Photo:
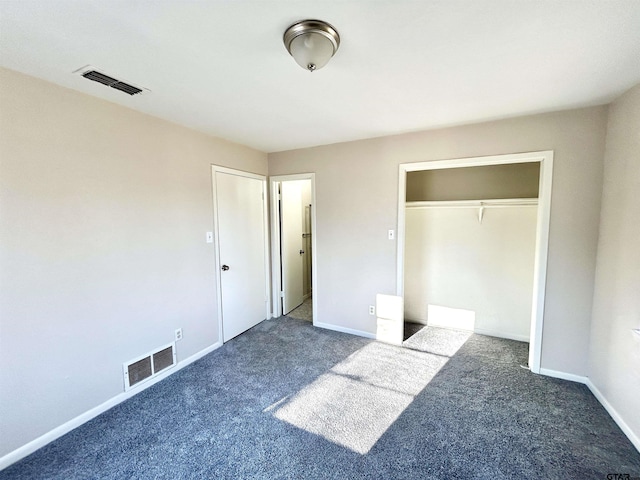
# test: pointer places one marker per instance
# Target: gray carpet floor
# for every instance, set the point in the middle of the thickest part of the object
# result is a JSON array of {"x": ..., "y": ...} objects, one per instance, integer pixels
[{"x": 286, "y": 400}]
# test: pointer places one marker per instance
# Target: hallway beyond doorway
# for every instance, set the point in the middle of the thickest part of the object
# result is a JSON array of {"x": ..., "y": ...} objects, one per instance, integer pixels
[{"x": 304, "y": 311}]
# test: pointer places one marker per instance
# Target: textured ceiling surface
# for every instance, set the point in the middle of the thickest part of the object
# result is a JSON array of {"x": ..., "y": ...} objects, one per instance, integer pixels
[{"x": 220, "y": 67}]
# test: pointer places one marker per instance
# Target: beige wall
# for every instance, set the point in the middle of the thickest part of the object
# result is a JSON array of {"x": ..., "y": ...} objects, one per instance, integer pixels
[
  {"x": 103, "y": 214},
  {"x": 615, "y": 350},
  {"x": 357, "y": 196},
  {"x": 518, "y": 180}
]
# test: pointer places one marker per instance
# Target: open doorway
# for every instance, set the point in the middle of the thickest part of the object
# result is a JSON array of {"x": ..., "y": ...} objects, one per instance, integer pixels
[
  {"x": 429, "y": 215},
  {"x": 293, "y": 253}
]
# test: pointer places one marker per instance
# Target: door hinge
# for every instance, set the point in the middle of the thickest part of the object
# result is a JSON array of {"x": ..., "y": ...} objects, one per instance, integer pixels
[{"x": 282, "y": 294}]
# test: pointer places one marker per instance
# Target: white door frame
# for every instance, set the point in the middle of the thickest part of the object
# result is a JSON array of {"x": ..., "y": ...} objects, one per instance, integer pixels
[
  {"x": 276, "y": 259},
  {"x": 218, "y": 265},
  {"x": 542, "y": 229}
]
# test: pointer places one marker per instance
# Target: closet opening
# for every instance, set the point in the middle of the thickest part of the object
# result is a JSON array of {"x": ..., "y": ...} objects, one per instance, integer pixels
[{"x": 472, "y": 247}]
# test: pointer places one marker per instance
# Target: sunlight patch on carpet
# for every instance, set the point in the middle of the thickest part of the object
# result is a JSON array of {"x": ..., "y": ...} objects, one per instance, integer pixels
[
  {"x": 355, "y": 402},
  {"x": 439, "y": 341}
]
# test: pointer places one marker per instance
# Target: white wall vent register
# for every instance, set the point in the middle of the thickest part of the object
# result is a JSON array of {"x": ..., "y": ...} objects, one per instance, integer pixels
[{"x": 148, "y": 366}]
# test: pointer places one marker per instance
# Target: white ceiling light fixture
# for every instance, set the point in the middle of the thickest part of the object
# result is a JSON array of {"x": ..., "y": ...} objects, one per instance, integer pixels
[{"x": 311, "y": 43}]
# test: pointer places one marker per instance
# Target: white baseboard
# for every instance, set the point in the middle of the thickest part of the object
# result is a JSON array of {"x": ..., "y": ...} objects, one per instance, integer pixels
[
  {"x": 563, "y": 375},
  {"x": 615, "y": 415},
  {"x": 479, "y": 331},
  {"x": 351, "y": 331},
  {"x": 508, "y": 336},
  {"x": 361, "y": 333},
  {"x": 65, "y": 428}
]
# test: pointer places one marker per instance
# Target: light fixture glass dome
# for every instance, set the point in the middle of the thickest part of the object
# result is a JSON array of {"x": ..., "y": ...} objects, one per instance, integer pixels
[{"x": 311, "y": 43}]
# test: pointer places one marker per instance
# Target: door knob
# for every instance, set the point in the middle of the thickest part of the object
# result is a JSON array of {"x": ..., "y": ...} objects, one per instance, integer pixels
[
  {"x": 301, "y": 252},
  {"x": 225, "y": 268}
]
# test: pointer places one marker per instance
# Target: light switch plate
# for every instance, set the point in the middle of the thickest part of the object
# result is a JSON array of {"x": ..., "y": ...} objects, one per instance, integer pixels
[
  {"x": 209, "y": 237},
  {"x": 392, "y": 234}
]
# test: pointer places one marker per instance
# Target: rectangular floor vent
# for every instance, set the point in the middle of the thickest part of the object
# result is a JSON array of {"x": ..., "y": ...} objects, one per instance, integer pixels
[{"x": 148, "y": 366}]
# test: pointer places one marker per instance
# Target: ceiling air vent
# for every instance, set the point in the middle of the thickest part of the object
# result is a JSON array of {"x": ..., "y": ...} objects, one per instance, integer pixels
[
  {"x": 91, "y": 73},
  {"x": 148, "y": 366},
  {"x": 126, "y": 88}
]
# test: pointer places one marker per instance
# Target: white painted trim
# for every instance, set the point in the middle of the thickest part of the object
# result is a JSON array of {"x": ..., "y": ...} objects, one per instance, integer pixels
[
  {"x": 292, "y": 177},
  {"x": 276, "y": 259},
  {"x": 626, "y": 429},
  {"x": 267, "y": 249},
  {"x": 400, "y": 238},
  {"x": 66, "y": 427},
  {"x": 542, "y": 230},
  {"x": 563, "y": 375},
  {"x": 490, "y": 333},
  {"x": 216, "y": 233},
  {"x": 509, "y": 158},
  {"x": 350, "y": 331},
  {"x": 216, "y": 241},
  {"x": 240, "y": 173},
  {"x": 276, "y": 283},
  {"x": 314, "y": 251},
  {"x": 540, "y": 261}
]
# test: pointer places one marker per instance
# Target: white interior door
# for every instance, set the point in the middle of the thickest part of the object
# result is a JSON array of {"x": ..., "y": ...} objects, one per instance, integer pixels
[
  {"x": 241, "y": 247},
  {"x": 291, "y": 216}
]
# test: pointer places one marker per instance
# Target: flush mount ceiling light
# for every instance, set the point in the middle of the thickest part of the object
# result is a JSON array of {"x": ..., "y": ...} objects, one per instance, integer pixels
[{"x": 311, "y": 43}]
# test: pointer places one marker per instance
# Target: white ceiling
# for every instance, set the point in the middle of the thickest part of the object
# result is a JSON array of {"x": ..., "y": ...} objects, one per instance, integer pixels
[{"x": 220, "y": 66}]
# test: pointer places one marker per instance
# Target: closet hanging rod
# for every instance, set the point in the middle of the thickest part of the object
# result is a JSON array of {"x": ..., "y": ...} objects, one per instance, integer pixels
[{"x": 503, "y": 202}]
